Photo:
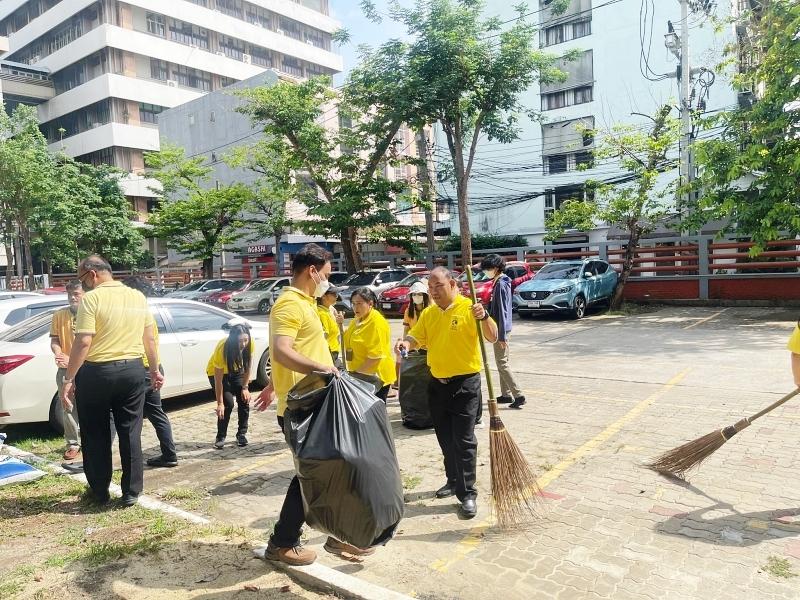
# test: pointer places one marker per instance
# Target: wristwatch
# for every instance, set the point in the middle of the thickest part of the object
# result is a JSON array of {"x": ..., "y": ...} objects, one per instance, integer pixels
[
  {"x": 66, "y": 380},
  {"x": 485, "y": 316}
]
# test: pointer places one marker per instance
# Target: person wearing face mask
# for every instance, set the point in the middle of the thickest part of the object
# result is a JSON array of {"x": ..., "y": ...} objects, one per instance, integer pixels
[
  {"x": 367, "y": 342},
  {"x": 419, "y": 302},
  {"x": 500, "y": 306}
]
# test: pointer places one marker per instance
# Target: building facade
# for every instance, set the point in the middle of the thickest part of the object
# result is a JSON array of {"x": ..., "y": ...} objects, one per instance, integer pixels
[
  {"x": 518, "y": 185},
  {"x": 115, "y": 66}
]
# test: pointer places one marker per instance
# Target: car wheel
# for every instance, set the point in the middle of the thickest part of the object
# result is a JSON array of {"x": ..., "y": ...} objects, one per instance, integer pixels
[
  {"x": 56, "y": 416},
  {"x": 264, "y": 372},
  {"x": 263, "y": 307},
  {"x": 579, "y": 307}
]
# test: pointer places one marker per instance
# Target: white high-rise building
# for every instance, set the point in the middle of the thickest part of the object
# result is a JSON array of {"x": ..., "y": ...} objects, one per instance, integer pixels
[{"x": 117, "y": 64}]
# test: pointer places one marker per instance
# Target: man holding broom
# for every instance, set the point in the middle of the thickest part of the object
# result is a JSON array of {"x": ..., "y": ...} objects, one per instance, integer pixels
[{"x": 448, "y": 329}]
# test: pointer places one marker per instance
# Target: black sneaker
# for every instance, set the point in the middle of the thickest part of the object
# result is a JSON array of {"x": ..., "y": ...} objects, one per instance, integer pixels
[
  {"x": 504, "y": 400},
  {"x": 241, "y": 439},
  {"x": 160, "y": 461},
  {"x": 518, "y": 403},
  {"x": 129, "y": 499}
]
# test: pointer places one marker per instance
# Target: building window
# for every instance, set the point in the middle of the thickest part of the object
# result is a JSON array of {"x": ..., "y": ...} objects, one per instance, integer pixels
[
  {"x": 148, "y": 113},
  {"x": 188, "y": 77},
  {"x": 564, "y": 32},
  {"x": 200, "y": 2},
  {"x": 562, "y": 98},
  {"x": 188, "y": 34},
  {"x": 159, "y": 69},
  {"x": 555, "y": 164},
  {"x": 226, "y": 81},
  {"x": 572, "y": 161},
  {"x": 555, "y": 198},
  {"x": 292, "y": 67},
  {"x": 232, "y": 47},
  {"x": 260, "y": 56},
  {"x": 231, "y": 8},
  {"x": 156, "y": 24}
]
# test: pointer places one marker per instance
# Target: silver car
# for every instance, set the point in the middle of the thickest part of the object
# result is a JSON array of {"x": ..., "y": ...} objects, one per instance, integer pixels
[{"x": 259, "y": 297}]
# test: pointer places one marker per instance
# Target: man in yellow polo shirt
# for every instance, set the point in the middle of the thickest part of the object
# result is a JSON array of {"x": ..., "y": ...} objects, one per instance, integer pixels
[
  {"x": 448, "y": 329},
  {"x": 113, "y": 330},
  {"x": 297, "y": 347},
  {"x": 794, "y": 347}
]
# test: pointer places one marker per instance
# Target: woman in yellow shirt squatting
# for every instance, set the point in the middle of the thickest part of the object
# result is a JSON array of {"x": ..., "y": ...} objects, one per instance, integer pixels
[
  {"x": 794, "y": 347},
  {"x": 367, "y": 341},
  {"x": 328, "y": 317},
  {"x": 228, "y": 372}
]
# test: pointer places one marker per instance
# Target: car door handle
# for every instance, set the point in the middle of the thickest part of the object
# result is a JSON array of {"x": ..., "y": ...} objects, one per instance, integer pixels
[{"x": 189, "y": 343}]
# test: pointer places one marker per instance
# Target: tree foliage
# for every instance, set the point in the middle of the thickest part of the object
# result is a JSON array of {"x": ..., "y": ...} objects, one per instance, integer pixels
[{"x": 486, "y": 242}]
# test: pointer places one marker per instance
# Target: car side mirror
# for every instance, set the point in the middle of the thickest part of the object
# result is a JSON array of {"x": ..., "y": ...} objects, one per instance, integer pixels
[
  {"x": 378, "y": 281},
  {"x": 588, "y": 275}
]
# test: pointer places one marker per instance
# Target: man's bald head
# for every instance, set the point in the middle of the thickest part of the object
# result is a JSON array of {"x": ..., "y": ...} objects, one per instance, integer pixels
[
  {"x": 93, "y": 270},
  {"x": 442, "y": 286},
  {"x": 94, "y": 262}
]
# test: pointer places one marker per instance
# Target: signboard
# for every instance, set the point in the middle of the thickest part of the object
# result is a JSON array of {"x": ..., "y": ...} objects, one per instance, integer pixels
[{"x": 260, "y": 249}]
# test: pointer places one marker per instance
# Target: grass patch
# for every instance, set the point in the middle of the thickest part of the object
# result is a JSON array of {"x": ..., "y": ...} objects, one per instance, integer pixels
[
  {"x": 186, "y": 497},
  {"x": 116, "y": 477},
  {"x": 14, "y": 582},
  {"x": 38, "y": 496},
  {"x": 546, "y": 466},
  {"x": 411, "y": 481},
  {"x": 779, "y": 567}
]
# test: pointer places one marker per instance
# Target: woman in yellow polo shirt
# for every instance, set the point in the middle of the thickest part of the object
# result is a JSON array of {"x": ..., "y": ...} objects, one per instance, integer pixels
[
  {"x": 228, "y": 372},
  {"x": 794, "y": 347},
  {"x": 367, "y": 341},
  {"x": 326, "y": 315}
]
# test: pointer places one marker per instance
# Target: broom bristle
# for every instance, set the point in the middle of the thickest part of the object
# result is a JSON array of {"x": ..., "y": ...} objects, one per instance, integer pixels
[
  {"x": 516, "y": 492},
  {"x": 682, "y": 459}
]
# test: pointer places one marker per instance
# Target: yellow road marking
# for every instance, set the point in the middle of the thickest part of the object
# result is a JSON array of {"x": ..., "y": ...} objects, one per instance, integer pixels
[
  {"x": 473, "y": 538},
  {"x": 706, "y": 320},
  {"x": 251, "y": 467}
]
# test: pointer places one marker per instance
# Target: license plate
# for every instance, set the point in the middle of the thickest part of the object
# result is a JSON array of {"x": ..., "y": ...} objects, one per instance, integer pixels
[
  {"x": 387, "y": 306},
  {"x": 534, "y": 304}
]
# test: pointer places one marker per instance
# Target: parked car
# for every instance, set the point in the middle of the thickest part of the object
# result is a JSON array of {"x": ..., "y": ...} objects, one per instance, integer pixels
[
  {"x": 338, "y": 277},
  {"x": 17, "y": 310},
  {"x": 378, "y": 281},
  {"x": 518, "y": 271},
  {"x": 188, "y": 333},
  {"x": 221, "y": 296},
  {"x": 259, "y": 297},
  {"x": 195, "y": 289},
  {"x": 12, "y": 295},
  {"x": 393, "y": 302},
  {"x": 567, "y": 286}
]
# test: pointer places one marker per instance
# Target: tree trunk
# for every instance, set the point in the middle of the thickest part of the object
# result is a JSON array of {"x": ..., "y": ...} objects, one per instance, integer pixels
[
  {"x": 26, "y": 243},
  {"x": 208, "y": 268},
  {"x": 463, "y": 226},
  {"x": 7, "y": 246},
  {"x": 278, "y": 254},
  {"x": 18, "y": 266},
  {"x": 352, "y": 255},
  {"x": 49, "y": 265},
  {"x": 627, "y": 267}
]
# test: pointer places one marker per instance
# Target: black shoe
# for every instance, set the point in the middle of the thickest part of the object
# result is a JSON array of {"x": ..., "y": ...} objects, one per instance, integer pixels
[
  {"x": 219, "y": 443},
  {"x": 129, "y": 499},
  {"x": 446, "y": 491},
  {"x": 76, "y": 467},
  {"x": 98, "y": 497},
  {"x": 241, "y": 439},
  {"x": 504, "y": 399},
  {"x": 469, "y": 508},
  {"x": 160, "y": 461},
  {"x": 518, "y": 403}
]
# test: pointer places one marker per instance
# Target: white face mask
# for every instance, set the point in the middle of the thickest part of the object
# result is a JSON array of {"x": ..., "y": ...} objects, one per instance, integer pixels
[
  {"x": 489, "y": 273},
  {"x": 417, "y": 298},
  {"x": 321, "y": 286}
]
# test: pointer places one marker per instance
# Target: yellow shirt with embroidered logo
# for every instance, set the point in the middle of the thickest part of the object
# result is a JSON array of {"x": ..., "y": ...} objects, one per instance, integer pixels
[
  {"x": 370, "y": 338},
  {"x": 794, "y": 341},
  {"x": 63, "y": 328},
  {"x": 295, "y": 315},
  {"x": 116, "y": 316},
  {"x": 331, "y": 328},
  {"x": 451, "y": 337}
]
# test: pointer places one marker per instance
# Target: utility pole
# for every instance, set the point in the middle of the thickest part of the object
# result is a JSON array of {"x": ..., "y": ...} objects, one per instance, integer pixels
[{"x": 427, "y": 187}]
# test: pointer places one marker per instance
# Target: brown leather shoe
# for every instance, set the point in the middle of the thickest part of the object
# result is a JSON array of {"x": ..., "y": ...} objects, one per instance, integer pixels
[
  {"x": 72, "y": 453},
  {"x": 296, "y": 556},
  {"x": 338, "y": 548}
]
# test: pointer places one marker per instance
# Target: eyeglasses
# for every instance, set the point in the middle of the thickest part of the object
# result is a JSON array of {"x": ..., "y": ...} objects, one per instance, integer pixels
[{"x": 80, "y": 277}]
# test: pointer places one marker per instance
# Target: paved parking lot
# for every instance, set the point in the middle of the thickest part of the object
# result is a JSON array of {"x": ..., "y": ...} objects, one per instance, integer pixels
[{"x": 604, "y": 394}]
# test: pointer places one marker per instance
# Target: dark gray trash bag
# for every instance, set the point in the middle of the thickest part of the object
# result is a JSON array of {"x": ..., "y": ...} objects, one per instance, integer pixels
[
  {"x": 345, "y": 459},
  {"x": 415, "y": 375}
]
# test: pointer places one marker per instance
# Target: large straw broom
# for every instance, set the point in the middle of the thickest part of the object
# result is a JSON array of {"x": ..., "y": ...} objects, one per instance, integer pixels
[
  {"x": 680, "y": 460},
  {"x": 515, "y": 490}
]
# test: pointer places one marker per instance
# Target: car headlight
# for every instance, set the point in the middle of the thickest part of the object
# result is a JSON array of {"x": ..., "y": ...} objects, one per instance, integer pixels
[
  {"x": 563, "y": 290},
  {"x": 402, "y": 298}
]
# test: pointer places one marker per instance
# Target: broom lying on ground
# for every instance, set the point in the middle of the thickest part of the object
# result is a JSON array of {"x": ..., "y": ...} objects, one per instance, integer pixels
[
  {"x": 515, "y": 490},
  {"x": 680, "y": 460}
]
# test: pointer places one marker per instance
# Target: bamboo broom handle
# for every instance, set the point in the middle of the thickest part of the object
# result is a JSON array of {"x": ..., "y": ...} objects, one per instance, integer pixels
[
  {"x": 493, "y": 412},
  {"x": 342, "y": 352},
  {"x": 775, "y": 405}
]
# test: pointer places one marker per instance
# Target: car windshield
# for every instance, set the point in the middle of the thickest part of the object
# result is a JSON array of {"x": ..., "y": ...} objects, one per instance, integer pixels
[
  {"x": 195, "y": 285},
  {"x": 29, "y": 329},
  {"x": 570, "y": 271},
  {"x": 261, "y": 285},
  {"x": 360, "y": 279},
  {"x": 235, "y": 285},
  {"x": 409, "y": 281},
  {"x": 477, "y": 275},
  {"x": 337, "y": 278}
]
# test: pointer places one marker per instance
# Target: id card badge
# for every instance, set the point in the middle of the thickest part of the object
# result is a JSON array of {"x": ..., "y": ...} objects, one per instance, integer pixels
[{"x": 348, "y": 354}]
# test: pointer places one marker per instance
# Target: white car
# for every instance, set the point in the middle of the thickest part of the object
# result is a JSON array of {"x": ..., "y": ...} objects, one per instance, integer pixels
[
  {"x": 10, "y": 295},
  {"x": 16, "y": 310},
  {"x": 188, "y": 333}
]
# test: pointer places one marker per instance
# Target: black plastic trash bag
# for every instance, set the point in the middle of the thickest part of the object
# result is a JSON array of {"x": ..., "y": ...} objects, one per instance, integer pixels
[
  {"x": 415, "y": 375},
  {"x": 345, "y": 459}
]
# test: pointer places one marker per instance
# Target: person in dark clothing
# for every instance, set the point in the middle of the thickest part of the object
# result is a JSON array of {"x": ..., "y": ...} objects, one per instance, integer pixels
[{"x": 494, "y": 266}]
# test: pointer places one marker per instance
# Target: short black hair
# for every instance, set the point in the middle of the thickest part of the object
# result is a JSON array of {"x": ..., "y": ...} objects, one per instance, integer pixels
[
  {"x": 139, "y": 283},
  {"x": 310, "y": 255},
  {"x": 493, "y": 261},
  {"x": 95, "y": 262},
  {"x": 366, "y": 294},
  {"x": 73, "y": 285}
]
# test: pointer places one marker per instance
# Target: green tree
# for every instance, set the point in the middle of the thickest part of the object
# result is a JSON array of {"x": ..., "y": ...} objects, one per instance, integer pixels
[
  {"x": 636, "y": 205},
  {"x": 468, "y": 73},
  {"x": 193, "y": 219},
  {"x": 749, "y": 173}
]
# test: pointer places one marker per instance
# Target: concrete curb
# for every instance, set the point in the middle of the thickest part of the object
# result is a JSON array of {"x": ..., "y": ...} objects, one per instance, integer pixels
[{"x": 316, "y": 575}]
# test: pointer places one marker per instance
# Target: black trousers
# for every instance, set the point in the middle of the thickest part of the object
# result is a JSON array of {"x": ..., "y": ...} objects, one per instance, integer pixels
[
  {"x": 158, "y": 418},
  {"x": 289, "y": 527},
  {"x": 232, "y": 393},
  {"x": 115, "y": 387},
  {"x": 454, "y": 408}
]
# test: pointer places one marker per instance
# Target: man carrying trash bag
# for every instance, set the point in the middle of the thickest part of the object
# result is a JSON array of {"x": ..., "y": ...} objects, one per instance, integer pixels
[
  {"x": 448, "y": 329},
  {"x": 298, "y": 348}
]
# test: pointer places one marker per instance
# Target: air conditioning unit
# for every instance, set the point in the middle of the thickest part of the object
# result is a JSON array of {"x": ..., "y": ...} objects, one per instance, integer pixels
[
  {"x": 172, "y": 83},
  {"x": 247, "y": 59}
]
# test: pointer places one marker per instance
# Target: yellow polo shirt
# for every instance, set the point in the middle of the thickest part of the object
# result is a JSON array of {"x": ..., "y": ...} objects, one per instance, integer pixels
[
  {"x": 451, "y": 337},
  {"x": 331, "y": 328},
  {"x": 794, "y": 341},
  {"x": 370, "y": 338},
  {"x": 295, "y": 315},
  {"x": 116, "y": 316},
  {"x": 144, "y": 355},
  {"x": 63, "y": 328},
  {"x": 217, "y": 360}
]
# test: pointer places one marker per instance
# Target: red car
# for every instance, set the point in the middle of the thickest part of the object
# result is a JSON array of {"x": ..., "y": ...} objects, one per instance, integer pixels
[
  {"x": 219, "y": 298},
  {"x": 393, "y": 302},
  {"x": 518, "y": 271}
]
